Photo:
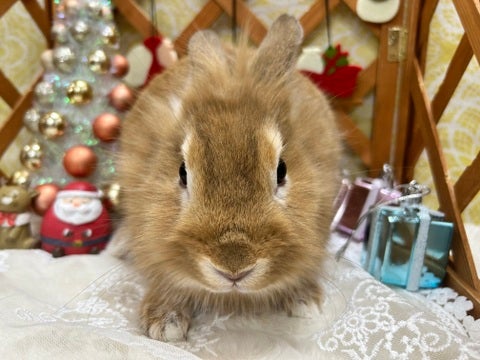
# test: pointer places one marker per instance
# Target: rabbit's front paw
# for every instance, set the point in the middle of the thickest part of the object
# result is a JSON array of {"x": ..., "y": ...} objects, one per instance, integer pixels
[
  {"x": 302, "y": 309},
  {"x": 172, "y": 326}
]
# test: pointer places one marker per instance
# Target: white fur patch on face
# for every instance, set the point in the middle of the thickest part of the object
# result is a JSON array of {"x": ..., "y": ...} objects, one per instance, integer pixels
[
  {"x": 282, "y": 191},
  {"x": 185, "y": 195},
  {"x": 175, "y": 105},
  {"x": 275, "y": 138},
  {"x": 186, "y": 145}
]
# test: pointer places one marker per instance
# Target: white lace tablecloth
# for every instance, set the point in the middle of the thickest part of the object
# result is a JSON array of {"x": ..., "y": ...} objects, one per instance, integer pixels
[{"x": 84, "y": 307}]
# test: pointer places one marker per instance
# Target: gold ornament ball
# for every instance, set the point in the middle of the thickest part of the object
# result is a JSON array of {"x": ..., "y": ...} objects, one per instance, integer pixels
[
  {"x": 20, "y": 177},
  {"x": 79, "y": 92},
  {"x": 98, "y": 62},
  {"x": 121, "y": 97},
  {"x": 106, "y": 127},
  {"x": 120, "y": 66},
  {"x": 52, "y": 125},
  {"x": 112, "y": 195},
  {"x": 31, "y": 156},
  {"x": 109, "y": 35},
  {"x": 46, "y": 196},
  {"x": 80, "y": 161}
]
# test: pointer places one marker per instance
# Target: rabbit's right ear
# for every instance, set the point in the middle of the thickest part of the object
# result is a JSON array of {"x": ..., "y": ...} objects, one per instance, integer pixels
[{"x": 279, "y": 50}]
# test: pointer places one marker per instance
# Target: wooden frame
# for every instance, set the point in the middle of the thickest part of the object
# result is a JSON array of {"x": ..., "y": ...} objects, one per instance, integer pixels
[
  {"x": 453, "y": 197},
  {"x": 403, "y": 112},
  {"x": 315, "y": 15}
]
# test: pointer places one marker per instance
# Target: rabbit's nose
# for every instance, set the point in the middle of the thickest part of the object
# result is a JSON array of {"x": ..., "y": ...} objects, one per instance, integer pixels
[{"x": 235, "y": 277}]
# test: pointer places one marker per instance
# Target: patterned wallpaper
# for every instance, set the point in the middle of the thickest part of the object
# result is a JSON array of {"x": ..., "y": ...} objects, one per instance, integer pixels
[{"x": 21, "y": 47}]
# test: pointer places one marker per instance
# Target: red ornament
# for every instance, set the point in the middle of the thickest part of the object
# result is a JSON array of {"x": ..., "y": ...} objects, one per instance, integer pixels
[
  {"x": 338, "y": 78},
  {"x": 46, "y": 196},
  {"x": 80, "y": 161},
  {"x": 119, "y": 66},
  {"x": 106, "y": 127},
  {"x": 77, "y": 222},
  {"x": 121, "y": 97}
]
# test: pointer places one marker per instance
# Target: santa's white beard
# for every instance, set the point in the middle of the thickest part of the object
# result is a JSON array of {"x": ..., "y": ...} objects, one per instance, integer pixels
[{"x": 77, "y": 215}]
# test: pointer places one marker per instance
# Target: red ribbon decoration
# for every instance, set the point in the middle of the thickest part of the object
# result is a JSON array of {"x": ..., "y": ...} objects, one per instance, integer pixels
[{"x": 9, "y": 218}]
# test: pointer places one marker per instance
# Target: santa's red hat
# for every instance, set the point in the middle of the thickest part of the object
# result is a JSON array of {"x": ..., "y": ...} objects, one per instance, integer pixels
[{"x": 80, "y": 189}]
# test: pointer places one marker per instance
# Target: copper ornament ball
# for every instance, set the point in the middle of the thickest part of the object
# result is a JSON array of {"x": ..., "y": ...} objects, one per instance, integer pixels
[
  {"x": 80, "y": 161},
  {"x": 121, "y": 97},
  {"x": 119, "y": 66},
  {"x": 106, "y": 127},
  {"x": 46, "y": 196}
]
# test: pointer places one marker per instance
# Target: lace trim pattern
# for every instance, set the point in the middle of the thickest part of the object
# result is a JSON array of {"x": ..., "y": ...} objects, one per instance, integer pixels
[{"x": 359, "y": 319}]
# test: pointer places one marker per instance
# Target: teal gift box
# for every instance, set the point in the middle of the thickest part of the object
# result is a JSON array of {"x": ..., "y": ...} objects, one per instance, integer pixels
[{"x": 408, "y": 246}]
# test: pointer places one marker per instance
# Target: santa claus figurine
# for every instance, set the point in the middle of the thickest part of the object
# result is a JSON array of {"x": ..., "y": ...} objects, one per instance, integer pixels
[{"x": 76, "y": 222}]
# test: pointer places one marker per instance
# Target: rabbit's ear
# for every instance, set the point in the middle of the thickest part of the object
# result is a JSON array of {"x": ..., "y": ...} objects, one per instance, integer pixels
[
  {"x": 206, "y": 48},
  {"x": 279, "y": 50}
]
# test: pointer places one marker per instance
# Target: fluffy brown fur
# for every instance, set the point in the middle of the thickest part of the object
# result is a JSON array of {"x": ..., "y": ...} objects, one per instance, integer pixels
[{"x": 229, "y": 114}]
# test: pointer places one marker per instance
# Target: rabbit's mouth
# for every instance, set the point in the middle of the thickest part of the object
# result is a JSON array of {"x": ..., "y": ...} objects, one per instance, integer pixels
[{"x": 243, "y": 280}]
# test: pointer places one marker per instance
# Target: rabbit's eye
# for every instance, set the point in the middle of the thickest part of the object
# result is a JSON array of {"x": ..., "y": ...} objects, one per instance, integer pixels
[
  {"x": 182, "y": 172},
  {"x": 281, "y": 172}
]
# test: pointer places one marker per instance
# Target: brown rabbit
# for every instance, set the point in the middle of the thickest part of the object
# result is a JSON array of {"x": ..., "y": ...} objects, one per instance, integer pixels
[{"x": 229, "y": 169}]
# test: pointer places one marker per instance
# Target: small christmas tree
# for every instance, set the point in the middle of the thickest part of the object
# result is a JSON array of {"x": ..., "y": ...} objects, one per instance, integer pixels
[{"x": 78, "y": 105}]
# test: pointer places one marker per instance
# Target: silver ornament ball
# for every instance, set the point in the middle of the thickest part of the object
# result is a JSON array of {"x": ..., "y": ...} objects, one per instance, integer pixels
[
  {"x": 80, "y": 30},
  {"x": 44, "y": 93},
  {"x": 31, "y": 119},
  {"x": 59, "y": 32},
  {"x": 64, "y": 59}
]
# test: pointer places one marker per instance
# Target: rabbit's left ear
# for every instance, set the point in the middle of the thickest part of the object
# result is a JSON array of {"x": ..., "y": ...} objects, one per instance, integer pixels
[
  {"x": 279, "y": 50},
  {"x": 206, "y": 48}
]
